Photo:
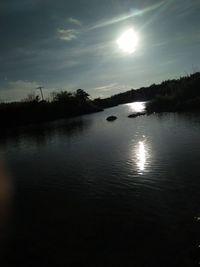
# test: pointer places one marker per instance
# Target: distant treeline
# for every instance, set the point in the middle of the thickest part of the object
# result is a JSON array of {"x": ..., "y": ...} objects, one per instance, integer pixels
[
  {"x": 171, "y": 95},
  {"x": 32, "y": 110}
]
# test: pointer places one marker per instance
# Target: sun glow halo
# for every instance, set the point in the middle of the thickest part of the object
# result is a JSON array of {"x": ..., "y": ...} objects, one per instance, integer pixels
[{"x": 128, "y": 41}]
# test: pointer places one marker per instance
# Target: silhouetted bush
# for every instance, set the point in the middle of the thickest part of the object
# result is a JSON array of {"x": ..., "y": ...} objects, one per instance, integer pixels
[
  {"x": 30, "y": 110},
  {"x": 184, "y": 95}
]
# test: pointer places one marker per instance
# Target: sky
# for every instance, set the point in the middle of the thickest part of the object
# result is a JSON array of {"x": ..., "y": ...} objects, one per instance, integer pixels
[{"x": 71, "y": 44}]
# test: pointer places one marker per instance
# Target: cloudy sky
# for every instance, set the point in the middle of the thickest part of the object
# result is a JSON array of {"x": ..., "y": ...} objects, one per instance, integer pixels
[{"x": 71, "y": 44}]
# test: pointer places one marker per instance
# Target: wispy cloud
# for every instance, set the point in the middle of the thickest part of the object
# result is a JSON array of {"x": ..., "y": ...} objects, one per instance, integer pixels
[
  {"x": 107, "y": 87},
  {"x": 67, "y": 35},
  {"x": 126, "y": 16},
  {"x": 17, "y": 90},
  {"x": 75, "y": 21},
  {"x": 20, "y": 84},
  {"x": 184, "y": 8}
]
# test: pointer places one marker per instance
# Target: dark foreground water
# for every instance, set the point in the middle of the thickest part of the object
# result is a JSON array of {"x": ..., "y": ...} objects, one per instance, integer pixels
[{"x": 87, "y": 192}]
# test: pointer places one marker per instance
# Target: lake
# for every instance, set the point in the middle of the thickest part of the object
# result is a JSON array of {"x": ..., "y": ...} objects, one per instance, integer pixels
[{"x": 88, "y": 192}]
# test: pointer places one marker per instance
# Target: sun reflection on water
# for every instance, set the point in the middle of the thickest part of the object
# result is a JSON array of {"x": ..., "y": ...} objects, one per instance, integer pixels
[
  {"x": 141, "y": 156},
  {"x": 136, "y": 106}
]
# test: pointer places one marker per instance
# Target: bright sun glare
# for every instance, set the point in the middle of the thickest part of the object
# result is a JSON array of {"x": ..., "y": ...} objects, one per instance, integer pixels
[{"x": 128, "y": 41}]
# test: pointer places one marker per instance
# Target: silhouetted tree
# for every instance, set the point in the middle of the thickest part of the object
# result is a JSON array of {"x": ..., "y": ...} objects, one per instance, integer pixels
[
  {"x": 82, "y": 95},
  {"x": 62, "y": 96}
]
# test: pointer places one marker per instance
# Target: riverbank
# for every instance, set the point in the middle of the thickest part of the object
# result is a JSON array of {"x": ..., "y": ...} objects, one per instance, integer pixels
[
  {"x": 173, "y": 104},
  {"x": 22, "y": 113},
  {"x": 169, "y": 96},
  {"x": 180, "y": 94}
]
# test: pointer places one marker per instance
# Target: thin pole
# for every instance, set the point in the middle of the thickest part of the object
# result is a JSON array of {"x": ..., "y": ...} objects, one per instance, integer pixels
[{"x": 40, "y": 88}]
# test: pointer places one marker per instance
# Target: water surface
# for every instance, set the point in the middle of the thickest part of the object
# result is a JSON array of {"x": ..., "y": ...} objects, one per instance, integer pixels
[{"x": 97, "y": 193}]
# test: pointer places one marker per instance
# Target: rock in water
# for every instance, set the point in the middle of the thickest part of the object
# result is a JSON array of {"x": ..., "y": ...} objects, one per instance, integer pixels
[
  {"x": 111, "y": 118},
  {"x": 134, "y": 115}
]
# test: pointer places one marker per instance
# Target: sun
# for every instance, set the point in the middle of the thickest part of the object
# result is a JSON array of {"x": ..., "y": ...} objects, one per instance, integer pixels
[{"x": 128, "y": 41}]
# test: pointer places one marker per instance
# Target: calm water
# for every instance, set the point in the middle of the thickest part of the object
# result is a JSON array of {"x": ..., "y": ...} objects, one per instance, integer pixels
[{"x": 87, "y": 192}]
